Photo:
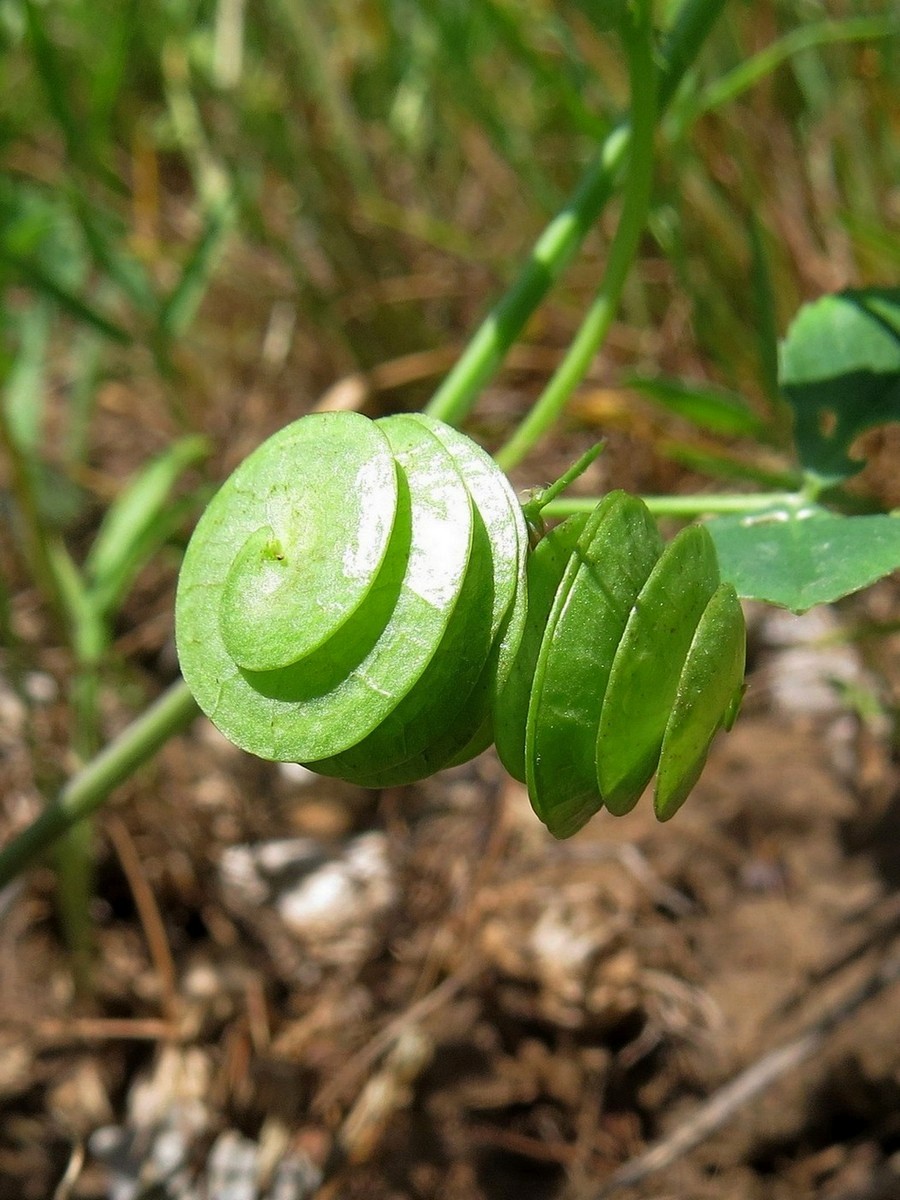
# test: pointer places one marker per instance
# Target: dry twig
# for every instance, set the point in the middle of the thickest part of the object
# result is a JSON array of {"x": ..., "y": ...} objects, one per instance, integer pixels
[
  {"x": 150, "y": 916},
  {"x": 728, "y": 1100}
]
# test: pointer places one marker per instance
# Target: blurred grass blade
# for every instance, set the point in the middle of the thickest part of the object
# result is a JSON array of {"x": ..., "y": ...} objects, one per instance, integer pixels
[
  {"x": 881, "y": 244},
  {"x": 57, "y": 499},
  {"x": 706, "y": 407},
  {"x": 107, "y": 242},
  {"x": 185, "y": 298},
  {"x": 86, "y": 356},
  {"x": 805, "y": 37},
  {"x": 324, "y": 90},
  {"x": 23, "y": 395},
  {"x": 228, "y": 42},
  {"x": 509, "y": 26},
  {"x": 721, "y": 465},
  {"x": 111, "y": 591},
  {"x": 86, "y": 626},
  {"x": 765, "y": 311},
  {"x": 33, "y": 273},
  {"x": 109, "y": 70},
  {"x": 135, "y": 526},
  {"x": 458, "y": 29},
  {"x": 55, "y": 78}
]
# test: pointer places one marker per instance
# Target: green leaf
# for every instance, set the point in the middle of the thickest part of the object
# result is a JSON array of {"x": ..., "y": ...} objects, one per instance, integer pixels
[
  {"x": 799, "y": 559},
  {"x": 544, "y": 571},
  {"x": 840, "y": 370}
]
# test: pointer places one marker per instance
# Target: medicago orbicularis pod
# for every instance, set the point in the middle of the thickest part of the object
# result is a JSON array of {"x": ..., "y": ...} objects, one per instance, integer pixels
[{"x": 360, "y": 596}]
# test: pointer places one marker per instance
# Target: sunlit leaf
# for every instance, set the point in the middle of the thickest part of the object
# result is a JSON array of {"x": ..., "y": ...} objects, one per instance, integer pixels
[{"x": 799, "y": 559}]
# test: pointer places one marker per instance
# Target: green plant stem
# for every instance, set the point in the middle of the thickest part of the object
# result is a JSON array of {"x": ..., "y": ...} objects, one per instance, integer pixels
[
  {"x": 87, "y": 790},
  {"x": 547, "y": 495},
  {"x": 689, "y": 506},
  {"x": 558, "y": 244},
  {"x": 549, "y": 406},
  {"x": 73, "y": 852}
]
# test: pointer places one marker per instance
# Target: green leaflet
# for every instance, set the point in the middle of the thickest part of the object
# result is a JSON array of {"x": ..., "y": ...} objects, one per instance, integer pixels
[
  {"x": 545, "y": 569},
  {"x": 609, "y": 567},
  {"x": 648, "y": 664},
  {"x": 708, "y": 693}
]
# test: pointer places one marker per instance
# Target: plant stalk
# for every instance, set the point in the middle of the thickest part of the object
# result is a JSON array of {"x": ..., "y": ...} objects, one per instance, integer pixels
[
  {"x": 86, "y": 791},
  {"x": 560, "y": 241},
  {"x": 721, "y": 504},
  {"x": 637, "y": 34}
]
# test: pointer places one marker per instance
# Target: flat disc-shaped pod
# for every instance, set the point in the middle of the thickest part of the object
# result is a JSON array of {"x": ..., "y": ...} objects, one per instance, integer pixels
[
  {"x": 709, "y": 684},
  {"x": 648, "y": 666},
  {"x": 337, "y": 695},
  {"x": 504, "y": 521},
  {"x": 453, "y": 666},
  {"x": 459, "y": 714},
  {"x": 399, "y": 749},
  {"x": 545, "y": 568},
  {"x": 470, "y": 731},
  {"x": 259, "y": 505},
  {"x": 610, "y": 565},
  {"x": 323, "y": 493}
]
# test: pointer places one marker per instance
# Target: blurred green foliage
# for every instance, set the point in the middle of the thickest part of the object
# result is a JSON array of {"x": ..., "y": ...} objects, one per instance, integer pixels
[{"x": 378, "y": 167}]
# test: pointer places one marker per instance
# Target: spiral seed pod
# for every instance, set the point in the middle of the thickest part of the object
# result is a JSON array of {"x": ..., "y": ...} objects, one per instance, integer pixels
[
  {"x": 352, "y": 595},
  {"x": 359, "y": 596}
]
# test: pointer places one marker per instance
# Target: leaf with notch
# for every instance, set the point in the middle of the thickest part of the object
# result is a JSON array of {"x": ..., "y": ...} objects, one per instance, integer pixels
[{"x": 840, "y": 371}]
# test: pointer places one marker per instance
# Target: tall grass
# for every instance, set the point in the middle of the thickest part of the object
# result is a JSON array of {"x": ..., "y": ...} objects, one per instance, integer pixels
[{"x": 380, "y": 167}]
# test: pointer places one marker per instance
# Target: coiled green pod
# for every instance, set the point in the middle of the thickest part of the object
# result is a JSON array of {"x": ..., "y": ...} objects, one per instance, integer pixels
[{"x": 360, "y": 597}]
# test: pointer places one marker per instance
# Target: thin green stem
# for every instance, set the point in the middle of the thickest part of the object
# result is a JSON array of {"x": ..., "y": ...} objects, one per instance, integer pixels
[
  {"x": 558, "y": 244},
  {"x": 688, "y": 506},
  {"x": 547, "y": 410},
  {"x": 88, "y": 789},
  {"x": 552, "y": 253},
  {"x": 547, "y": 495},
  {"x": 73, "y": 852},
  {"x": 89, "y": 638}
]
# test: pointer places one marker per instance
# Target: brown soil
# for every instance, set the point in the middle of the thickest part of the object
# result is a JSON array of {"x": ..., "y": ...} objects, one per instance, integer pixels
[{"x": 429, "y": 997}]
